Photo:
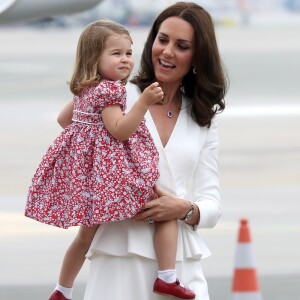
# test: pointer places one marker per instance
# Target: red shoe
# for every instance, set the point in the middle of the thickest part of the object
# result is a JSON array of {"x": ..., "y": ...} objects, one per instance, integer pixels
[
  {"x": 57, "y": 295},
  {"x": 175, "y": 289}
]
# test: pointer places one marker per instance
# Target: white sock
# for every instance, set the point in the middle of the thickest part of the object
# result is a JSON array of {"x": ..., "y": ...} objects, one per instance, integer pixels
[
  {"x": 168, "y": 276},
  {"x": 67, "y": 292}
]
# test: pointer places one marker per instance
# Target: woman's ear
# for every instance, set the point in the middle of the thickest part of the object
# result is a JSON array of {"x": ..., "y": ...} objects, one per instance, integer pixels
[{"x": 194, "y": 69}]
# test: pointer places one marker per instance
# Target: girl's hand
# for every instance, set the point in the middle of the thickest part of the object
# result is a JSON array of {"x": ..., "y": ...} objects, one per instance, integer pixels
[
  {"x": 152, "y": 94},
  {"x": 165, "y": 207}
]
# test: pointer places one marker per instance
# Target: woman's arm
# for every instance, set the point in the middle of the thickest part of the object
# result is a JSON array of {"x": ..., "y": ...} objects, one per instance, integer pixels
[
  {"x": 122, "y": 126},
  {"x": 206, "y": 186},
  {"x": 64, "y": 118}
]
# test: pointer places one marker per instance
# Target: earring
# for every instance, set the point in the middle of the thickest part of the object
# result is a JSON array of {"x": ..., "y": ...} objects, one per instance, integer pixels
[{"x": 194, "y": 70}]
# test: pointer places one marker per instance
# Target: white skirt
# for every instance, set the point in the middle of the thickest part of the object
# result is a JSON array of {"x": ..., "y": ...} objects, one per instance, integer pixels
[{"x": 132, "y": 278}]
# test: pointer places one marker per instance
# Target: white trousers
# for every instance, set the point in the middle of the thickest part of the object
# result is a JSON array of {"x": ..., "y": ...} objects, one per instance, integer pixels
[{"x": 132, "y": 278}]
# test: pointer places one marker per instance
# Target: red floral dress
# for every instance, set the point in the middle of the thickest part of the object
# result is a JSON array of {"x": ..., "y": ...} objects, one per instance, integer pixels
[{"x": 88, "y": 177}]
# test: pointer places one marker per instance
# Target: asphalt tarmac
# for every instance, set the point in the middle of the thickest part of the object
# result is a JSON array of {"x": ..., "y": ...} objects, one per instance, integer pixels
[{"x": 259, "y": 157}]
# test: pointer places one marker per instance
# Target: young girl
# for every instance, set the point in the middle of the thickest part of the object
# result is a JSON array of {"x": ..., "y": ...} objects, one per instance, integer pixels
[{"x": 102, "y": 167}]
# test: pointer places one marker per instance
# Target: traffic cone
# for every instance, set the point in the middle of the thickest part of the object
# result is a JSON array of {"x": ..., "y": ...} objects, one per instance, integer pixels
[{"x": 245, "y": 283}]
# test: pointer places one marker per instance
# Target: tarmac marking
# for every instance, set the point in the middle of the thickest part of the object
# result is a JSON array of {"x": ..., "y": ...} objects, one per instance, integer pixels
[{"x": 15, "y": 224}]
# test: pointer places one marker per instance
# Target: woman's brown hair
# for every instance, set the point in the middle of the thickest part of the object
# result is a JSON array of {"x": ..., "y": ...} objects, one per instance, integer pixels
[
  {"x": 89, "y": 48},
  {"x": 208, "y": 87}
]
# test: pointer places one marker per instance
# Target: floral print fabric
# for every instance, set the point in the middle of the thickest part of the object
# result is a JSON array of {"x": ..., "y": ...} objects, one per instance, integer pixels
[{"x": 88, "y": 177}]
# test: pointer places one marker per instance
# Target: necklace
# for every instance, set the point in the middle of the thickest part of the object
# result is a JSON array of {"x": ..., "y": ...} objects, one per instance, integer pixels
[
  {"x": 169, "y": 113},
  {"x": 177, "y": 100}
]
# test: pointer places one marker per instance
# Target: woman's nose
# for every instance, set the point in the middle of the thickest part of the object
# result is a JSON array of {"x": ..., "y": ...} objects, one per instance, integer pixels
[{"x": 168, "y": 51}]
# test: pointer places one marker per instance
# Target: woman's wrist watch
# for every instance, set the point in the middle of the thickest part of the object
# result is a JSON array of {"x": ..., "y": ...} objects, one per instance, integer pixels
[{"x": 189, "y": 214}]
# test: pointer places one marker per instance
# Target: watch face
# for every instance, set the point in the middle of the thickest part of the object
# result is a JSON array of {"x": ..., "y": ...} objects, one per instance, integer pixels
[{"x": 190, "y": 213}]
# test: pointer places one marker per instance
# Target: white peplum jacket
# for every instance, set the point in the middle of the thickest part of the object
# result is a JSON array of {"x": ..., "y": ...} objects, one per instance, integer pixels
[{"x": 188, "y": 167}]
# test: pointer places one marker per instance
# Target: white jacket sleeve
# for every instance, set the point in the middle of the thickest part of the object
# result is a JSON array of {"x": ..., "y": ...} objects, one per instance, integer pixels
[{"x": 205, "y": 190}]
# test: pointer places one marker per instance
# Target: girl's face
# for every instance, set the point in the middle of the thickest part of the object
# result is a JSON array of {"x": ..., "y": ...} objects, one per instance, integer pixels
[
  {"x": 173, "y": 50},
  {"x": 116, "y": 61}
]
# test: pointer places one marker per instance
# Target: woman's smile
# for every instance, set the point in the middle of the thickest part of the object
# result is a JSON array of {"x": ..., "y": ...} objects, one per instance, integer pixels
[{"x": 166, "y": 64}]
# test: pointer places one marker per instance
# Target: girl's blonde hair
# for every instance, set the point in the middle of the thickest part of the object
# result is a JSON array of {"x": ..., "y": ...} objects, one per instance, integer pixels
[{"x": 89, "y": 48}]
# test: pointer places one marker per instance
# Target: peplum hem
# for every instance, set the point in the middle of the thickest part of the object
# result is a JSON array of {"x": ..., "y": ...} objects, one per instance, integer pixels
[{"x": 130, "y": 238}]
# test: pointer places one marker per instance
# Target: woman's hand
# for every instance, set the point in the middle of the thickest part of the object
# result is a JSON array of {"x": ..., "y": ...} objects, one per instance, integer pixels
[{"x": 164, "y": 207}]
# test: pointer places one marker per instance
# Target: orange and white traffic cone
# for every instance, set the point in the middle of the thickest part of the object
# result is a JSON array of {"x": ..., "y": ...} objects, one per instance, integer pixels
[{"x": 245, "y": 283}]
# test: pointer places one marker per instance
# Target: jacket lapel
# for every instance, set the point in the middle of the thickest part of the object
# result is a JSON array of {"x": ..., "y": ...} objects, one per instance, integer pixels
[{"x": 167, "y": 154}]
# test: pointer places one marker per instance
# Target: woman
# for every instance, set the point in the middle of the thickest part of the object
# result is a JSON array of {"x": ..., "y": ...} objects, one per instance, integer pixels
[{"x": 180, "y": 53}]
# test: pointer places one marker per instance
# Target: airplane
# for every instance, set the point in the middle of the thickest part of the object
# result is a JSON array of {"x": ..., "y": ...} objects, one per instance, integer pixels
[
  {"x": 16, "y": 11},
  {"x": 135, "y": 12}
]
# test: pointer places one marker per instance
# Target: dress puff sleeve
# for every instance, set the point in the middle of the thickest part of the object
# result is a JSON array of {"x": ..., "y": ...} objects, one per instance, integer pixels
[{"x": 108, "y": 93}]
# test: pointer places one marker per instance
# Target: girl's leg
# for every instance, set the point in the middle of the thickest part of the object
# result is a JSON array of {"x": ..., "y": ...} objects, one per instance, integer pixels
[
  {"x": 74, "y": 259},
  {"x": 75, "y": 255},
  {"x": 165, "y": 244}
]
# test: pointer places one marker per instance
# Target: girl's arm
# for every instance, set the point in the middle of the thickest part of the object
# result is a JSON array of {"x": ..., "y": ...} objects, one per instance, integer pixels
[
  {"x": 122, "y": 126},
  {"x": 64, "y": 118}
]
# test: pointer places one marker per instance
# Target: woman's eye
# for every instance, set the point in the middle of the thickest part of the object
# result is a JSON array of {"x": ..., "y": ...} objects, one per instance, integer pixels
[
  {"x": 163, "y": 40},
  {"x": 183, "y": 47}
]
